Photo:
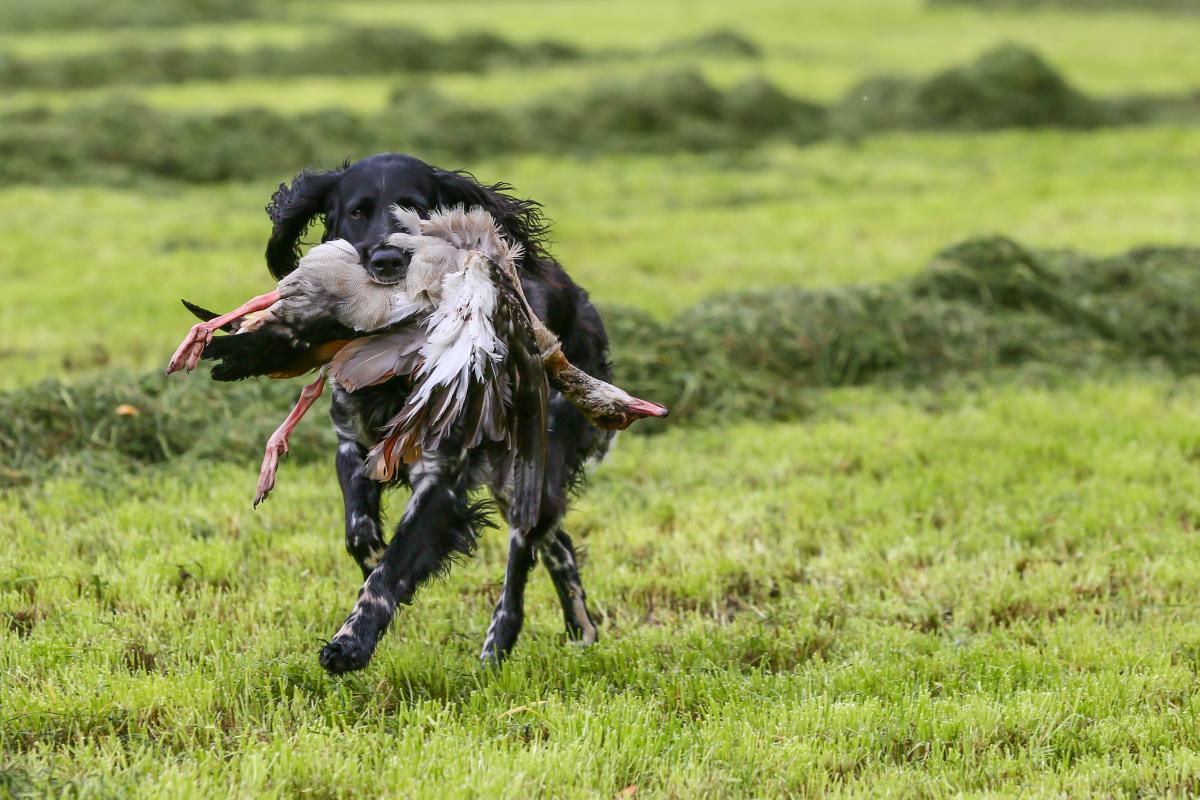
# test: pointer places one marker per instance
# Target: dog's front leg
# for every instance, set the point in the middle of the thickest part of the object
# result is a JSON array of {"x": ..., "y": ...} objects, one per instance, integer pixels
[
  {"x": 438, "y": 523},
  {"x": 360, "y": 493}
]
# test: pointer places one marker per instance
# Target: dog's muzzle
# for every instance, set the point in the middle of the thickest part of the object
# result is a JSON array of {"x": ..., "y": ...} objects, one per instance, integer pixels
[{"x": 387, "y": 264}]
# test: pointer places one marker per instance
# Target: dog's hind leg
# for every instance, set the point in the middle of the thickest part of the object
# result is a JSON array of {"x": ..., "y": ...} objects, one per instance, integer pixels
[
  {"x": 575, "y": 443},
  {"x": 509, "y": 616},
  {"x": 559, "y": 556},
  {"x": 562, "y": 562}
]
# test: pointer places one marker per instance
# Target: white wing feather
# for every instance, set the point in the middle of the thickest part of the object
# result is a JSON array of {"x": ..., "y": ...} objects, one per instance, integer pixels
[{"x": 461, "y": 334}]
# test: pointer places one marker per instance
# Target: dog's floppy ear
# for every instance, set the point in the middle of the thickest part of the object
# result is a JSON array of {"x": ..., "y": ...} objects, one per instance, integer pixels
[
  {"x": 292, "y": 210},
  {"x": 521, "y": 220}
]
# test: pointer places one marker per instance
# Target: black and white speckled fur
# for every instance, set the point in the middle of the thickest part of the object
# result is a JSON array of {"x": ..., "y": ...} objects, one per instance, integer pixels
[{"x": 440, "y": 522}]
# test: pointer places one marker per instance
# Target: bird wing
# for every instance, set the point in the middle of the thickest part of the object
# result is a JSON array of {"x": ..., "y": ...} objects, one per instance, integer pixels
[
  {"x": 372, "y": 360},
  {"x": 528, "y": 418},
  {"x": 460, "y": 351},
  {"x": 480, "y": 376}
]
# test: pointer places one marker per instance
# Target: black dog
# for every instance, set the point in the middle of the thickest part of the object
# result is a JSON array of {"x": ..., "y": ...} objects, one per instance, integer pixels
[{"x": 440, "y": 523}]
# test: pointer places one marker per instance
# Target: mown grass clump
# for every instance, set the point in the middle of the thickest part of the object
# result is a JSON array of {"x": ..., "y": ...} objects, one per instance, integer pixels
[
  {"x": 717, "y": 42},
  {"x": 666, "y": 111},
  {"x": 347, "y": 51},
  {"x": 125, "y": 419},
  {"x": 1076, "y": 5},
  {"x": 981, "y": 305},
  {"x": 1010, "y": 86},
  {"x": 356, "y": 50},
  {"x": 671, "y": 110},
  {"x": 31, "y": 15}
]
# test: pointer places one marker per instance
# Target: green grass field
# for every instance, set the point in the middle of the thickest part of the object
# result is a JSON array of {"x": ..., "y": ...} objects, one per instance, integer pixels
[
  {"x": 907, "y": 594},
  {"x": 984, "y": 586}
]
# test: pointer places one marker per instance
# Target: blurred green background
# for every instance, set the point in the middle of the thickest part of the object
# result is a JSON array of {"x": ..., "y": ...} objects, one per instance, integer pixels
[{"x": 918, "y": 280}]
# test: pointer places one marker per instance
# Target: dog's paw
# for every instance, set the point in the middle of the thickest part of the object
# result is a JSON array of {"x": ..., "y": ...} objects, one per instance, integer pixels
[
  {"x": 345, "y": 654},
  {"x": 491, "y": 658},
  {"x": 581, "y": 635}
]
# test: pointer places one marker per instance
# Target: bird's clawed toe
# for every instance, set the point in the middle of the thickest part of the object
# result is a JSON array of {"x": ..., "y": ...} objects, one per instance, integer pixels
[
  {"x": 188, "y": 354},
  {"x": 270, "y": 465}
]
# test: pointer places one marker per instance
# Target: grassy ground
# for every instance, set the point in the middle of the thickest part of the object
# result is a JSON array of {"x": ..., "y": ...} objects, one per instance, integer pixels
[
  {"x": 984, "y": 589},
  {"x": 838, "y": 44},
  {"x": 908, "y": 594}
]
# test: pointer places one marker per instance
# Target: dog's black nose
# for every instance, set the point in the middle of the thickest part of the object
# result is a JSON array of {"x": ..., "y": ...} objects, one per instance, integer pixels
[{"x": 387, "y": 264}]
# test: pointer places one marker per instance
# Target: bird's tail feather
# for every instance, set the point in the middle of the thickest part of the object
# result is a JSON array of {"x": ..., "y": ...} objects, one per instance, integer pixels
[{"x": 205, "y": 315}]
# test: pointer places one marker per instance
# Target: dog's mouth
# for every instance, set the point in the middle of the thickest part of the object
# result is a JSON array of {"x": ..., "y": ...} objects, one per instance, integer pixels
[{"x": 387, "y": 265}]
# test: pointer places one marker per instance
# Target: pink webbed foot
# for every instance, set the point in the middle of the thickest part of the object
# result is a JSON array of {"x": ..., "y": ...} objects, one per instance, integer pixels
[
  {"x": 276, "y": 447},
  {"x": 187, "y": 355}
]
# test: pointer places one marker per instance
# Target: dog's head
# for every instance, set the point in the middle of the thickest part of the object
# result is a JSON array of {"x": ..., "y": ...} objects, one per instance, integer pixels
[{"x": 355, "y": 204}]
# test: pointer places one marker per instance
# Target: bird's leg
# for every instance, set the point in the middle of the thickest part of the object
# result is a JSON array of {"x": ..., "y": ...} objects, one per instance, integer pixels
[
  {"x": 277, "y": 445},
  {"x": 187, "y": 356}
]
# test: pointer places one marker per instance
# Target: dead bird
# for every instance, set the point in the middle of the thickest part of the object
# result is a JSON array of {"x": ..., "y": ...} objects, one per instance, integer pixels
[
  {"x": 464, "y": 342},
  {"x": 457, "y": 324}
]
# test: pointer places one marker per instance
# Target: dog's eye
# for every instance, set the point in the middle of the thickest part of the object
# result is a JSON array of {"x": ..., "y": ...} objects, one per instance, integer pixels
[{"x": 357, "y": 213}]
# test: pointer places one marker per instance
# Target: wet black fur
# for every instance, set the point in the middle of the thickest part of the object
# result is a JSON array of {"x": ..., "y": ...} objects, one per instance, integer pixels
[{"x": 353, "y": 203}]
